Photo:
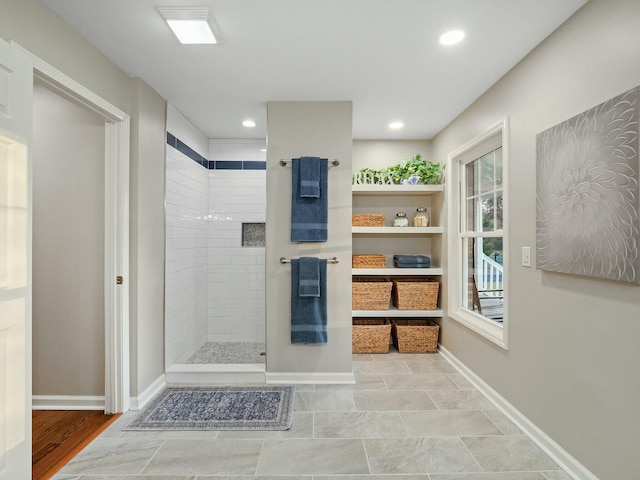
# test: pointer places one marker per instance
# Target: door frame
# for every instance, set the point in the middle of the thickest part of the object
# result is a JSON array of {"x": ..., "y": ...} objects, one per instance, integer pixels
[{"x": 116, "y": 242}]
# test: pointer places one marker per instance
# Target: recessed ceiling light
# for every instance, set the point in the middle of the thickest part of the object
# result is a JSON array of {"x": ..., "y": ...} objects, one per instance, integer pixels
[
  {"x": 451, "y": 37},
  {"x": 396, "y": 125},
  {"x": 249, "y": 123},
  {"x": 192, "y": 25}
]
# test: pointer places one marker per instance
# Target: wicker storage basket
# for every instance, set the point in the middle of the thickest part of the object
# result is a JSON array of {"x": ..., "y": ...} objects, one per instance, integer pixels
[
  {"x": 370, "y": 335},
  {"x": 415, "y": 336},
  {"x": 415, "y": 295},
  {"x": 367, "y": 220},
  {"x": 368, "y": 261},
  {"x": 370, "y": 295}
]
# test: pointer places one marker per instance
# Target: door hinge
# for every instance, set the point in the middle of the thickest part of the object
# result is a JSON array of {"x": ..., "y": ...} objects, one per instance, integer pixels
[{"x": 119, "y": 280}]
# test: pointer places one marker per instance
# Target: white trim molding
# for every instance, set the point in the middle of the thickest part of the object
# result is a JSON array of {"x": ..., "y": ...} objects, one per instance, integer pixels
[
  {"x": 564, "y": 459},
  {"x": 67, "y": 402},
  {"x": 310, "y": 377},
  {"x": 151, "y": 391}
]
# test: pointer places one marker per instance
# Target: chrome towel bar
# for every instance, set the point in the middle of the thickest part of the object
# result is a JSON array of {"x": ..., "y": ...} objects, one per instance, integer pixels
[
  {"x": 333, "y": 162},
  {"x": 329, "y": 260}
]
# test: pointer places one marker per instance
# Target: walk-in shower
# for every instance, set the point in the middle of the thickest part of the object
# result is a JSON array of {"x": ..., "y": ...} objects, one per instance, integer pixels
[{"x": 214, "y": 276}]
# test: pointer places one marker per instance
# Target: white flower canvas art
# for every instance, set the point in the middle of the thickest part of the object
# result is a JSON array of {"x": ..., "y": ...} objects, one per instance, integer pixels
[{"x": 587, "y": 192}]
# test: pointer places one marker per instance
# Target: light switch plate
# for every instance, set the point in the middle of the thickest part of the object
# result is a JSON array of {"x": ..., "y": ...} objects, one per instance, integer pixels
[{"x": 526, "y": 256}]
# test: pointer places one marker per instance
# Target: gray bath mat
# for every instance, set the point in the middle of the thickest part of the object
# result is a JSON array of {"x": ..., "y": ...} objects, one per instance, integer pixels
[{"x": 218, "y": 408}]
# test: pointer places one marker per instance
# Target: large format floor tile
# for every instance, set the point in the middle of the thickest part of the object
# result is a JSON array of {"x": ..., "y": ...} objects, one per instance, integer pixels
[
  {"x": 419, "y": 455},
  {"x": 313, "y": 457},
  {"x": 508, "y": 453},
  {"x": 113, "y": 456},
  {"x": 457, "y": 423},
  {"x": 206, "y": 457}
]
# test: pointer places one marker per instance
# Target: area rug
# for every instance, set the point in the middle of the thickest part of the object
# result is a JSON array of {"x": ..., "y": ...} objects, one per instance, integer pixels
[{"x": 218, "y": 408}]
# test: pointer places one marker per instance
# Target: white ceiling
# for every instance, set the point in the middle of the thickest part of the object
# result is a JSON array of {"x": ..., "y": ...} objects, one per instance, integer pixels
[{"x": 383, "y": 55}]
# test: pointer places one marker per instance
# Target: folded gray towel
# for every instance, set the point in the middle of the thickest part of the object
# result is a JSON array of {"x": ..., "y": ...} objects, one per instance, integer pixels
[
  {"x": 310, "y": 177},
  {"x": 309, "y": 277},
  {"x": 412, "y": 259},
  {"x": 411, "y": 265}
]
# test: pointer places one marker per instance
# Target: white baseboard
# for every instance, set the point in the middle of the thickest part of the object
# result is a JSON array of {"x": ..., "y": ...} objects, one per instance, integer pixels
[
  {"x": 568, "y": 463},
  {"x": 151, "y": 391},
  {"x": 67, "y": 402},
  {"x": 309, "y": 377}
]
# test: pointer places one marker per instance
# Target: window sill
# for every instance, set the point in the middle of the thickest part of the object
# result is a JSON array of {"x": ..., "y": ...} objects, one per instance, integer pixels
[{"x": 483, "y": 327}]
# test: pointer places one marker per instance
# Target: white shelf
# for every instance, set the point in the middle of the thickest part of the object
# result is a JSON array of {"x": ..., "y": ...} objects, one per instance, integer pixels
[
  {"x": 396, "y": 272},
  {"x": 398, "y": 230},
  {"x": 395, "y": 313},
  {"x": 396, "y": 189}
]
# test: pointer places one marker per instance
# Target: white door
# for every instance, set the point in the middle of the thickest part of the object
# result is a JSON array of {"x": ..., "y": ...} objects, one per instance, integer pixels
[{"x": 16, "y": 85}]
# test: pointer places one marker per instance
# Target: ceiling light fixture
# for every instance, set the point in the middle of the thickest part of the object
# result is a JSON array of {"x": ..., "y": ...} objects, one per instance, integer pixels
[
  {"x": 396, "y": 125},
  {"x": 451, "y": 37},
  {"x": 192, "y": 25},
  {"x": 249, "y": 123}
]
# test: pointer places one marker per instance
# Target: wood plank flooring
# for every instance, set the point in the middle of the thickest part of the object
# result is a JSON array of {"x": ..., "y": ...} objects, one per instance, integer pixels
[{"x": 58, "y": 435}]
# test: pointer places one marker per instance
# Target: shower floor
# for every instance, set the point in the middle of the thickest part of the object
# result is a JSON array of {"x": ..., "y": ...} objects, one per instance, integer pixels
[{"x": 229, "y": 352}]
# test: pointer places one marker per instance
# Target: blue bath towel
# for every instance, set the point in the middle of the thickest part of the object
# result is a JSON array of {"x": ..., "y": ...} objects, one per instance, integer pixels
[
  {"x": 310, "y": 177},
  {"x": 309, "y": 215},
  {"x": 308, "y": 314},
  {"x": 309, "y": 277}
]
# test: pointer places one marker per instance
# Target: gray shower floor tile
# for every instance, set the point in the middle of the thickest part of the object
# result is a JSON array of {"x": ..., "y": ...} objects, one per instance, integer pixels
[{"x": 229, "y": 352}]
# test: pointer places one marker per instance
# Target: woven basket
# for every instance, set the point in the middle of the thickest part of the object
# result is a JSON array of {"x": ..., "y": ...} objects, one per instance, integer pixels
[
  {"x": 409, "y": 295},
  {"x": 367, "y": 220},
  {"x": 370, "y": 335},
  {"x": 415, "y": 336},
  {"x": 368, "y": 261},
  {"x": 370, "y": 295}
]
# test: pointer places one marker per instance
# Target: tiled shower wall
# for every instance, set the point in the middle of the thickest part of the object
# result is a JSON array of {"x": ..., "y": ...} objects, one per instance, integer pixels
[
  {"x": 236, "y": 273},
  {"x": 214, "y": 285},
  {"x": 187, "y": 192}
]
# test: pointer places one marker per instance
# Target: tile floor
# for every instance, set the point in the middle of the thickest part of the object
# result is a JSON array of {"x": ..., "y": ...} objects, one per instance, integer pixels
[{"x": 408, "y": 416}]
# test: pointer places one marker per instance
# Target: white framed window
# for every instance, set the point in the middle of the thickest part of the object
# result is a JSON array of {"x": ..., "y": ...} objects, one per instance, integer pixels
[{"x": 477, "y": 195}]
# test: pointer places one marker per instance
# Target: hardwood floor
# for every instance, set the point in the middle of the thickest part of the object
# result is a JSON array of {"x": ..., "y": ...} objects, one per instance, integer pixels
[{"x": 58, "y": 435}]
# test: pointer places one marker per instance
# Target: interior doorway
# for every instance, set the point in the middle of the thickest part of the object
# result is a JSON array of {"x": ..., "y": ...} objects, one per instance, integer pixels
[{"x": 68, "y": 252}]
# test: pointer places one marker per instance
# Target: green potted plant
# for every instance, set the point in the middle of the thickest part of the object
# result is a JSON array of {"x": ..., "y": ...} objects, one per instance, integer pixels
[{"x": 416, "y": 170}]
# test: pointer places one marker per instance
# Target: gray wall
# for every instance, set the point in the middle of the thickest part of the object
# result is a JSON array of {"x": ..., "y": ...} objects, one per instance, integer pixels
[
  {"x": 68, "y": 247},
  {"x": 37, "y": 29},
  {"x": 314, "y": 129},
  {"x": 572, "y": 365},
  {"x": 148, "y": 120},
  {"x": 384, "y": 153}
]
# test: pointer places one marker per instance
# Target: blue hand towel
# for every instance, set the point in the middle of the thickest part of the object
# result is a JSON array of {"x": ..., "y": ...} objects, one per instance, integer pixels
[
  {"x": 310, "y": 177},
  {"x": 308, "y": 314},
  {"x": 309, "y": 277},
  {"x": 309, "y": 215}
]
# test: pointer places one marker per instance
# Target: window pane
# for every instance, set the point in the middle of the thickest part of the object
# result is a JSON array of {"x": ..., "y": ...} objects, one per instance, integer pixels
[
  {"x": 498, "y": 161},
  {"x": 498, "y": 212},
  {"x": 471, "y": 176},
  {"x": 484, "y": 277},
  {"x": 486, "y": 173},
  {"x": 488, "y": 223},
  {"x": 472, "y": 215}
]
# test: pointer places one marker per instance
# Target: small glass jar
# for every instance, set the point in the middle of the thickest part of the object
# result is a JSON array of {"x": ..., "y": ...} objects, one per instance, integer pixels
[
  {"x": 422, "y": 218},
  {"x": 401, "y": 220}
]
